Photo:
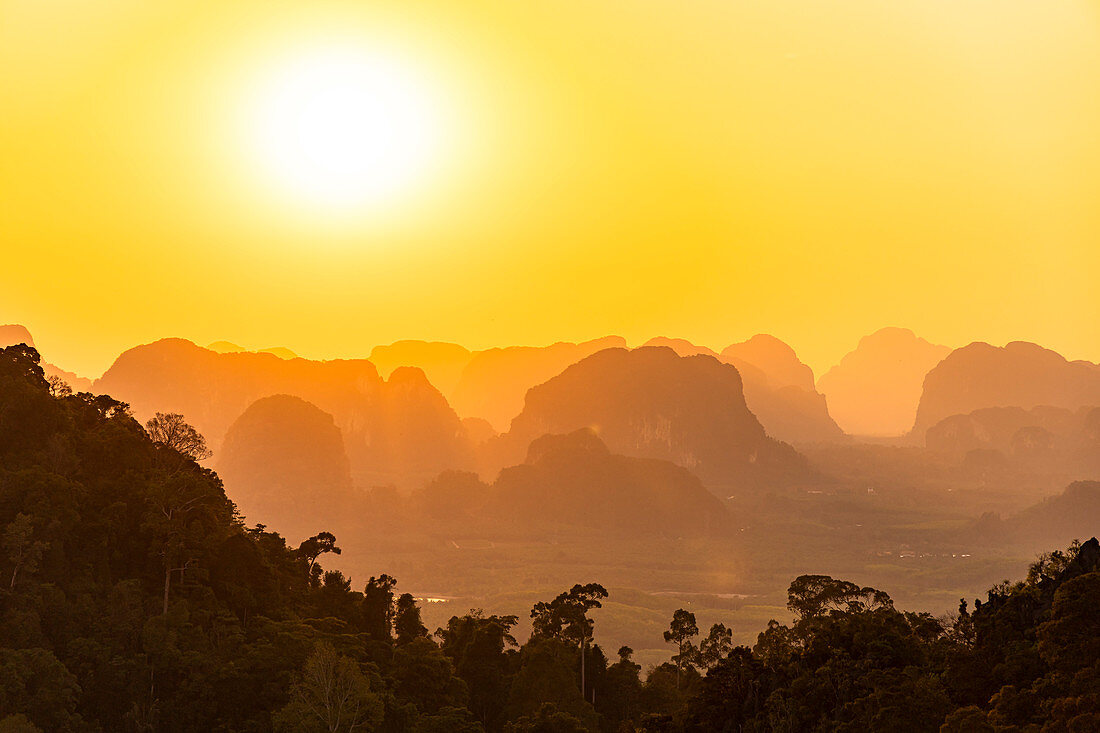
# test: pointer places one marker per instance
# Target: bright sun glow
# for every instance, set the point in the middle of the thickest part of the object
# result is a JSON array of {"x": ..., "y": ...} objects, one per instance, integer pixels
[{"x": 343, "y": 128}]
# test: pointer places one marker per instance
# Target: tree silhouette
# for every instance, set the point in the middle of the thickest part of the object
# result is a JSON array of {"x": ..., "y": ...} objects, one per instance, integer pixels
[
  {"x": 814, "y": 595},
  {"x": 681, "y": 631},
  {"x": 172, "y": 431},
  {"x": 378, "y": 607},
  {"x": 717, "y": 644},
  {"x": 407, "y": 625},
  {"x": 478, "y": 644},
  {"x": 314, "y": 547},
  {"x": 566, "y": 617}
]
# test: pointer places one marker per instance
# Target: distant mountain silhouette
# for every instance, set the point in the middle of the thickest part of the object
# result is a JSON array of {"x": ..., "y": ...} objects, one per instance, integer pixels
[
  {"x": 283, "y": 463},
  {"x": 1056, "y": 521},
  {"x": 778, "y": 387},
  {"x": 15, "y": 334},
  {"x": 280, "y": 351},
  {"x": 1020, "y": 374},
  {"x": 652, "y": 403},
  {"x": 228, "y": 347},
  {"x": 573, "y": 480},
  {"x": 779, "y": 390},
  {"x": 683, "y": 347},
  {"x": 773, "y": 357},
  {"x": 478, "y": 430},
  {"x": 1049, "y": 439},
  {"x": 442, "y": 362},
  {"x": 399, "y": 430},
  {"x": 875, "y": 389},
  {"x": 493, "y": 384},
  {"x": 76, "y": 382}
]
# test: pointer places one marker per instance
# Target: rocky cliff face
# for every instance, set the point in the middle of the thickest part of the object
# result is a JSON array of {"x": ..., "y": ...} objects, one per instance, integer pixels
[
  {"x": 876, "y": 388},
  {"x": 1020, "y": 374},
  {"x": 652, "y": 403}
]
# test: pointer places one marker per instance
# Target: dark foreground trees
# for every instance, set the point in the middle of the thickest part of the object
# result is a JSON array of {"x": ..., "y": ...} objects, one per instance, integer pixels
[
  {"x": 133, "y": 598},
  {"x": 1028, "y": 658}
]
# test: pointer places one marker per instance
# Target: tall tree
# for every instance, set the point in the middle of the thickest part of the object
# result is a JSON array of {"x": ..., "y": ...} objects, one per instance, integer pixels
[
  {"x": 681, "y": 631},
  {"x": 406, "y": 620},
  {"x": 566, "y": 618},
  {"x": 478, "y": 645},
  {"x": 717, "y": 644},
  {"x": 378, "y": 608}
]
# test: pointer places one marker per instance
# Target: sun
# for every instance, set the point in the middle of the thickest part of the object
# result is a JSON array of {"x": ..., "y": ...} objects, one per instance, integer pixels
[{"x": 343, "y": 128}]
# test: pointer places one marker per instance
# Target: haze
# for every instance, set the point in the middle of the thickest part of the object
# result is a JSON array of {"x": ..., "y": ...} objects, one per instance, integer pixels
[
  {"x": 603, "y": 366},
  {"x": 709, "y": 171}
]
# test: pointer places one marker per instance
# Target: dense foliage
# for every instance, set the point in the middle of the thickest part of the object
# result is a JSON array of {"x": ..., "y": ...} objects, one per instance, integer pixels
[{"x": 133, "y": 597}]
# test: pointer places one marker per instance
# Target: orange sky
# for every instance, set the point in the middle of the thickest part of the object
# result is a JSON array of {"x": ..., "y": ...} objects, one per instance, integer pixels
[{"x": 700, "y": 169}]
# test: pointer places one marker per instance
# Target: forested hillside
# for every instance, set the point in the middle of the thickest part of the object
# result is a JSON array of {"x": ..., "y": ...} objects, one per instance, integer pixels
[{"x": 133, "y": 596}]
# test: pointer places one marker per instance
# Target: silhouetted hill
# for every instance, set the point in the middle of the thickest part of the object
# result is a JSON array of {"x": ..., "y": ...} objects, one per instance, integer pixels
[
  {"x": 776, "y": 359},
  {"x": 1046, "y": 439},
  {"x": 400, "y": 431},
  {"x": 76, "y": 382},
  {"x": 1070, "y": 515},
  {"x": 283, "y": 464},
  {"x": 573, "y": 481},
  {"x": 280, "y": 351},
  {"x": 15, "y": 334},
  {"x": 228, "y": 347},
  {"x": 493, "y": 384},
  {"x": 779, "y": 390},
  {"x": 652, "y": 403},
  {"x": 478, "y": 430},
  {"x": 683, "y": 347},
  {"x": 787, "y": 411},
  {"x": 442, "y": 362},
  {"x": 875, "y": 389},
  {"x": 1019, "y": 374}
]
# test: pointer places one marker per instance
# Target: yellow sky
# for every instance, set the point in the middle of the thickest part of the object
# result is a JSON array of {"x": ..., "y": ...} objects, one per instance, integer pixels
[{"x": 700, "y": 169}]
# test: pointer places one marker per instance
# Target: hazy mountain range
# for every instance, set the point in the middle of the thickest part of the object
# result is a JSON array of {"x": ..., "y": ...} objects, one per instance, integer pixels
[
  {"x": 1020, "y": 374},
  {"x": 734, "y": 419},
  {"x": 397, "y": 430},
  {"x": 652, "y": 403}
]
